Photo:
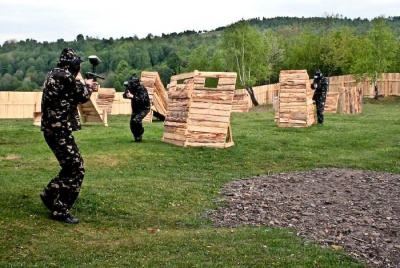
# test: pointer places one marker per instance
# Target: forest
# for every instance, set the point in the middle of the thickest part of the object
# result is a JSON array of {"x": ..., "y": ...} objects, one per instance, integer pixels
[{"x": 257, "y": 49}]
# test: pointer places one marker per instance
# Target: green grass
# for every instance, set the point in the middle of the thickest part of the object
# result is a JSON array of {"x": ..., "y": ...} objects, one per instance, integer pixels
[{"x": 145, "y": 204}]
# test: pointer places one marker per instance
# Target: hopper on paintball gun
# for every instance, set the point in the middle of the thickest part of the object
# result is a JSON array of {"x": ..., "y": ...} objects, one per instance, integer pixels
[{"x": 94, "y": 61}]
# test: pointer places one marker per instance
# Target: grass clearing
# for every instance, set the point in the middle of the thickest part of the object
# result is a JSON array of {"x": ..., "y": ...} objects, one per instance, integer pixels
[{"x": 145, "y": 204}]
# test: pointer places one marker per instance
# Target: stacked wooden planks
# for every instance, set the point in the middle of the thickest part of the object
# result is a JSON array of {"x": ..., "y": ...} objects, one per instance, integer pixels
[
  {"x": 157, "y": 94},
  {"x": 241, "y": 102},
  {"x": 199, "y": 115},
  {"x": 105, "y": 98},
  {"x": 90, "y": 110},
  {"x": 331, "y": 103},
  {"x": 350, "y": 100},
  {"x": 296, "y": 107}
]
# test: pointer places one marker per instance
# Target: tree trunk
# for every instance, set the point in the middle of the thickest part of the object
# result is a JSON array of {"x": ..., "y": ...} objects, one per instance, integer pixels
[
  {"x": 376, "y": 91},
  {"x": 253, "y": 98}
]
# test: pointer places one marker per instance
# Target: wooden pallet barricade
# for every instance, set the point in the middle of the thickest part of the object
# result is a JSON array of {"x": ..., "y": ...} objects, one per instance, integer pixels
[
  {"x": 350, "y": 100},
  {"x": 199, "y": 115},
  {"x": 97, "y": 108},
  {"x": 296, "y": 107},
  {"x": 331, "y": 103},
  {"x": 157, "y": 94},
  {"x": 241, "y": 102}
]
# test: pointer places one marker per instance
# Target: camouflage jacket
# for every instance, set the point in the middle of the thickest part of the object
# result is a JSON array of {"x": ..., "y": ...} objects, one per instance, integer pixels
[
  {"x": 140, "y": 102},
  {"x": 320, "y": 86},
  {"x": 61, "y": 95}
]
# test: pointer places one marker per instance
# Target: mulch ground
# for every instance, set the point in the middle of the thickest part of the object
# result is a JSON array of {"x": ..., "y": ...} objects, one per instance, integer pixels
[{"x": 354, "y": 210}]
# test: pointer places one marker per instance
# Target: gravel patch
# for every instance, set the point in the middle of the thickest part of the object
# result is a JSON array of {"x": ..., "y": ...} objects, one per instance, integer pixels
[{"x": 357, "y": 210}]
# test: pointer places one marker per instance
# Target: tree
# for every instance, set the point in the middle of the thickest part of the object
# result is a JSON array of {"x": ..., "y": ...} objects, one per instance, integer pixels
[
  {"x": 139, "y": 58},
  {"x": 156, "y": 54},
  {"x": 9, "y": 83},
  {"x": 164, "y": 72},
  {"x": 245, "y": 52},
  {"x": 377, "y": 52},
  {"x": 123, "y": 72},
  {"x": 302, "y": 51},
  {"x": 275, "y": 57},
  {"x": 174, "y": 62},
  {"x": 28, "y": 85},
  {"x": 199, "y": 59},
  {"x": 337, "y": 50}
]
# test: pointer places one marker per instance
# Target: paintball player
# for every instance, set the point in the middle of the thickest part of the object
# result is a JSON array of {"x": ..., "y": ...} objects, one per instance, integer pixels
[
  {"x": 320, "y": 87},
  {"x": 140, "y": 104},
  {"x": 62, "y": 92}
]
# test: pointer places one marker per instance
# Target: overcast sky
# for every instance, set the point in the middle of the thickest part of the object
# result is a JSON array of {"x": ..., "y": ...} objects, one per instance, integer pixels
[{"x": 50, "y": 20}]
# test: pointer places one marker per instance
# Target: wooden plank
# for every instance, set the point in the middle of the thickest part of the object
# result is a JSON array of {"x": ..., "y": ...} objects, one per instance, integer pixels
[
  {"x": 216, "y": 74},
  {"x": 211, "y": 101},
  {"x": 214, "y": 118},
  {"x": 174, "y": 136},
  {"x": 227, "y": 81},
  {"x": 200, "y": 144},
  {"x": 206, "y": 129},
  {"x": 182, "y": 76},
  {"x": 209, "y": 112},
  {"x": 174, "y": 142},
  {"x": 175, "y": 124},
  {"x": 225, "y": 106},
  {"x": 203, "y": 123},
  {"x": 176, "y": 119}
]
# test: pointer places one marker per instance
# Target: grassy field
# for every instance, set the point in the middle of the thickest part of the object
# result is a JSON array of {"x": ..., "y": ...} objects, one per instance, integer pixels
[{"x": 145, "y": 204}]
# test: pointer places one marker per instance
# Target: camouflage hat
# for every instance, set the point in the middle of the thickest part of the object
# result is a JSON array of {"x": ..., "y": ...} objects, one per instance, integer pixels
[{"x": 68, "y": 55}]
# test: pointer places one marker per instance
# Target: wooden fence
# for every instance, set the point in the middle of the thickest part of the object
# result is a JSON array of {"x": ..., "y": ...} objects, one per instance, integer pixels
[
  {"x": 14, "y": 104},
  {"x": 23, "y": 104},
  {"x": 388, "y": 85}
]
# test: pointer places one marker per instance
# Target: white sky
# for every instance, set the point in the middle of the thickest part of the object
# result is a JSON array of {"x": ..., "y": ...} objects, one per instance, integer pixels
[{"x": 49, "y": 20}]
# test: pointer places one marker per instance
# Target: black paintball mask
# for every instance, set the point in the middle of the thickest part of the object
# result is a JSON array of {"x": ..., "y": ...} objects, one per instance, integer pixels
[
  {"x": 134, "y": 82},
  {"x": 70, "y": 61},
  {"x": 318, "y": 75}
]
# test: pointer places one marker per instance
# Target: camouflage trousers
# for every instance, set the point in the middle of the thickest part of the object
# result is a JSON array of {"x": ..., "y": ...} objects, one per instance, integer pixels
[
  {"x": 136, "y": 125},
  {"x": 320, "y": 106},
  {"x": 65, "y": 187}
]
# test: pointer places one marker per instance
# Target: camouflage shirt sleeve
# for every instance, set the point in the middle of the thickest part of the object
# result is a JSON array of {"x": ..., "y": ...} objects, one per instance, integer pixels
[
  {"x": 140, "y": 102},
  {"x": 60, "y": 99}
]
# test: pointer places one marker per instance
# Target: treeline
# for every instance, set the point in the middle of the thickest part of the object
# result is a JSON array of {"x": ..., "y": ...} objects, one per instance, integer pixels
[{"x": 256, "y": 48}]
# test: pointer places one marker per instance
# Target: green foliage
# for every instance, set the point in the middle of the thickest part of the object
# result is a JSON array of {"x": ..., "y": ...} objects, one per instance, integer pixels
[
  {"x": 377, "y": 53},
  {"x": 334, "y": 44},
  {"x": 145, "y": 204},
  {"x": 303, "y": 51},
  {"x": 337, "y": 51},
  {"x": 245, "y": 52}
]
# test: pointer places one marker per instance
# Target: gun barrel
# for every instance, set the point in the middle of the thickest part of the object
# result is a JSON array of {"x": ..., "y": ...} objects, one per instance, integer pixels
[{"x": 90, "y": 75}]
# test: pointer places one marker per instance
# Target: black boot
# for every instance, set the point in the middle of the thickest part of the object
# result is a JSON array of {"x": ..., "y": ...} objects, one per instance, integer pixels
[
  {"x": 67, "y": 218},
  {"x": 47, "y": 201}
]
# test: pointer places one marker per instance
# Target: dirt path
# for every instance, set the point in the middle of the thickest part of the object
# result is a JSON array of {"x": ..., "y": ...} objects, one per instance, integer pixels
[{"x": 357, "y": 210}]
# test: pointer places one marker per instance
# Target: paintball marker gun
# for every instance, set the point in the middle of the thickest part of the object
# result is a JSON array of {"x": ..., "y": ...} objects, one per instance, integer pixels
[{"x": 94, "y": 60}]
